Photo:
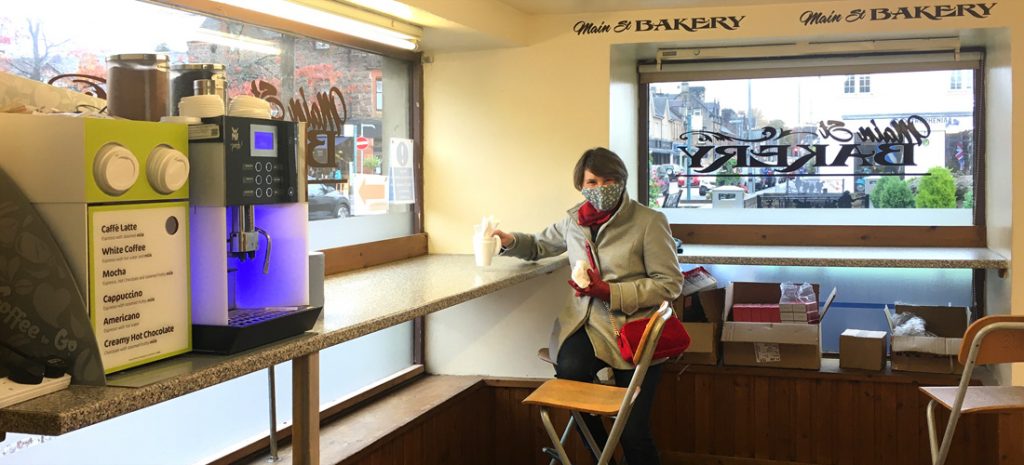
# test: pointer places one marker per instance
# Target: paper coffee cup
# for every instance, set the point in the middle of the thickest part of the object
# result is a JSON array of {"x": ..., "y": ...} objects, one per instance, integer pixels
[{"x": 484, "y": 249}]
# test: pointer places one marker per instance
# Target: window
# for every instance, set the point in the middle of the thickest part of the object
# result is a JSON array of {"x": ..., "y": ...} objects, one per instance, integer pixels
[
  {"x": 356, "y": 192},
  {"x": 864, "y": 84},
  {"x": 827, "y": 151},
  {"x": 379, "y": 86},
  {"x": 848, "y": 87},
  {"x": 777, "y": 134}
]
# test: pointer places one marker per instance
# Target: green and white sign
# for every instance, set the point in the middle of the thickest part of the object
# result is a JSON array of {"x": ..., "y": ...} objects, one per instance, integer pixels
[{"x": 139, "y": 281}]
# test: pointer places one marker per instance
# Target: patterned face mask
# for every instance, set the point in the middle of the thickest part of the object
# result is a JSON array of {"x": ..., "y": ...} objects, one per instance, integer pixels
[{"x": 605, "y": 197}]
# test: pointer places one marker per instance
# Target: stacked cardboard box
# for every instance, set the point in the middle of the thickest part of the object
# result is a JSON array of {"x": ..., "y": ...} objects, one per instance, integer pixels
[
  {"x": 757, "y": 313},
  {"x": 706, "y": 330},
  {"x": 799, "y": 313},
  {"x": 862, "y": 350},
  {"x": 931, "y": 354},
  {"x": 779, "y": 344}
]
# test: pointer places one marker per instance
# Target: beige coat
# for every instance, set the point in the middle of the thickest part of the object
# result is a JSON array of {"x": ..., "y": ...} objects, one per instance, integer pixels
[{"x": 636, "y": 255}]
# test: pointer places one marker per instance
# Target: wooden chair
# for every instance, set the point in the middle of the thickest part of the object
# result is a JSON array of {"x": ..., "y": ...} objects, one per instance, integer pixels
[
  {"x": 598, "y": 399},
  {"x": 990, "y": 340}
]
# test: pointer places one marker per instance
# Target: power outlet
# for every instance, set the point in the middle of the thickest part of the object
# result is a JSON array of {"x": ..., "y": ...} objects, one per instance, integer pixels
[{"x": 11, "y": 393}]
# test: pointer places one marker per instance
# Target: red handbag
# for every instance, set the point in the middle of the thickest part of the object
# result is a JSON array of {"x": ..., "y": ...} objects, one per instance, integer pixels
[{"x": 674, "y": 338}]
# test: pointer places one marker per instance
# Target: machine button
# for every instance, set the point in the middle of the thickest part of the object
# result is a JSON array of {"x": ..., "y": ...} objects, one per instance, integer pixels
[
  {"x": 115, "y": 169},
  {"x": 167, "y": 169}
]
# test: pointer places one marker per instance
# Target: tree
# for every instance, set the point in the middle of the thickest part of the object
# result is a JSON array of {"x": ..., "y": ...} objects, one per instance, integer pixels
[
  {"x": 892, "y": 192},
  {"x": 728, "y": 178},
  {"x": 969, "y": 199},
  {"x": 653, "y": 188},
  {"x": 937, "y": 190},
  {"x": 42, "y": 57}
]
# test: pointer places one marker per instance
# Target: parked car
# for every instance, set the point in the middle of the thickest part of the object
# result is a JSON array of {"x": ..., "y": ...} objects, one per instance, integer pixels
[{"x": 326, "y": 201}]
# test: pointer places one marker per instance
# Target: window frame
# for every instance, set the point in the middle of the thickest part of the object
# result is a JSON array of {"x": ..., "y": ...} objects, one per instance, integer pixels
[
  {"x": 853, "y": 65},
  {"x": 337, "y": 260}
]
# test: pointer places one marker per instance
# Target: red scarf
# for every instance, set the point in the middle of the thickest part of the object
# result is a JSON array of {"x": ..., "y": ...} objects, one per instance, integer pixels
[{"x": 587, "y": 215}]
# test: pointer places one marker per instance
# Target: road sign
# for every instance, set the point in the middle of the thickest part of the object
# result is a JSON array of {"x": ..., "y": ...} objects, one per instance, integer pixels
[{"x": 362, "y": 143}]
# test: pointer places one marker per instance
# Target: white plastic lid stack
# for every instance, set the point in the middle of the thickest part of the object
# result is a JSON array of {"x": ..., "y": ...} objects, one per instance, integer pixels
[
  {"x": 249, "y": 107},
  {"x": 201, "y": 106},
  {"x": 115, "y": 169},
  {"x": 167, "y": 169}
]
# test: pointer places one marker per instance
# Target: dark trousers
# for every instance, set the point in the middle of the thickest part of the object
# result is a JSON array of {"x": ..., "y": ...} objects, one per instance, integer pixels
[{"x": 577, "y": 362}]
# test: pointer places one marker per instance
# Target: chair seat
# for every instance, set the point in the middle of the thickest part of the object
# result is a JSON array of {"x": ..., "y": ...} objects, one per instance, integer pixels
[
  {"x": 574, "y": 395},
  {"x": 980, "y": 398}
]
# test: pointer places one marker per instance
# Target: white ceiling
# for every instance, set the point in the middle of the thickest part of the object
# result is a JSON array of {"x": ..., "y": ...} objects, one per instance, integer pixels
[{"x": 544, "y": 7}]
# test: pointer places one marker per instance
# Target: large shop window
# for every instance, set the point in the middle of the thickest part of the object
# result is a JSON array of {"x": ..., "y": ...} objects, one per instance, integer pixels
[
  {"x": 357, "y": 105},
  {"x": 882, "y": 140}
]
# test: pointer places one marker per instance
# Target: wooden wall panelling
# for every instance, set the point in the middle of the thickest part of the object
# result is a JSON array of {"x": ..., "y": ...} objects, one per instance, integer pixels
[
  {"x": 743, "y": 401},
  {"x": 737, "y": 418},
  {"x": 825, "y": 423},
  {"x": 354, "y": 257},
  {"x": 455, "y": 433},
  {"x": 726, "y": 418}
]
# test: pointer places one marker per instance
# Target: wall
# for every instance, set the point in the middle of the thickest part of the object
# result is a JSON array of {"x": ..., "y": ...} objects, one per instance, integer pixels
[{"x": 504, "y": 126}]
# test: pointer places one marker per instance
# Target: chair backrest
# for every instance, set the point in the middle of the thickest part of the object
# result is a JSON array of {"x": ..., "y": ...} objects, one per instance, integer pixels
[
  {"x": 1002, "y": 344},
  {"x": 648, "y": 343}
]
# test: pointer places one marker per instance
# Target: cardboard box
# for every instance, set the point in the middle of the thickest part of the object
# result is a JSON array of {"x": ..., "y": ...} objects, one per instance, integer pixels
[
  {"x": 704, "y": 336},
  {"x": 862, "y": 350},
  {"x": 925, "y": 353},
  {"x": 781, "y": 345}
]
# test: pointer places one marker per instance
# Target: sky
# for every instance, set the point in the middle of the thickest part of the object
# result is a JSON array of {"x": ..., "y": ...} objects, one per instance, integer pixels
[{"x": 97, "y": 26}]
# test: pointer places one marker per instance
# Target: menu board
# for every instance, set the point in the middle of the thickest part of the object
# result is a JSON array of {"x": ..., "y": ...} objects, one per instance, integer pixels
[{"x": 138, "y": 282}]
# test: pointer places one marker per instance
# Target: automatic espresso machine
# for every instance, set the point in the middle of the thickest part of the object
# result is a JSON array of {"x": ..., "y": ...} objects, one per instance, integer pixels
[{"x": 248, "y": 233}]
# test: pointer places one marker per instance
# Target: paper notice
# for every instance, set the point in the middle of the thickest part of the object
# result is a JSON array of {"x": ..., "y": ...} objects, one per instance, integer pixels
[{"x": 767, "y": 353}]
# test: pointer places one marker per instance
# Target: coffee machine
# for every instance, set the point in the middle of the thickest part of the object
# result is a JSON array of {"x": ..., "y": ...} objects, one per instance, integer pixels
[
  {"x": 114, "y": 194},
  {"x": 249, "y": 233}
]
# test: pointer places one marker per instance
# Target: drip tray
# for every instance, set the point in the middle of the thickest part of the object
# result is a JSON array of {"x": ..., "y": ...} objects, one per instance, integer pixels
[{"x": 249, "y": 328}]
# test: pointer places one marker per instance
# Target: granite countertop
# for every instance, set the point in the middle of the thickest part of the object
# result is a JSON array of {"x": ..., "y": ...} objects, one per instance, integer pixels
[
  {"x": 357, "y": 303},
  {"x": 880, "y": 257}
]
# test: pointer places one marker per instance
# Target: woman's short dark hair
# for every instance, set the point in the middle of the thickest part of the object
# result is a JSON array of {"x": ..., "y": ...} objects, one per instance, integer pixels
[{"x": 602, "y": 162}]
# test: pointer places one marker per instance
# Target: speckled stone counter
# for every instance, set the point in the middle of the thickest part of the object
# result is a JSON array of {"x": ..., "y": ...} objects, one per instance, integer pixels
[
  {"x": 357, "y": 303},
  {"x": 878, "y": 257}
]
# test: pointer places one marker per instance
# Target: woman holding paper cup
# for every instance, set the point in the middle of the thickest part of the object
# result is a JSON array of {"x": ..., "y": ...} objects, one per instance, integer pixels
[{"x": 625, "y": 265}]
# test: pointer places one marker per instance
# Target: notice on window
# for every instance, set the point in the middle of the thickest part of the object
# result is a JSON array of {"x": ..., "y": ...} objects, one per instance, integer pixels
[
  {"x": 403, "y": 184},
  {"x": 767, "y": 353},
  {"x": 139, "y": 285}
]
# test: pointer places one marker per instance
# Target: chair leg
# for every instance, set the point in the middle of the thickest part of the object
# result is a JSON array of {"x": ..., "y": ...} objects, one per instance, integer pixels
[
  {"x": 587, "y": 435},
  {"x": 932, "y": 442},
  {"x": 545, "y": 418},
  {"x": 565, "y": 437},
  {"x": 947, "y": 436}
]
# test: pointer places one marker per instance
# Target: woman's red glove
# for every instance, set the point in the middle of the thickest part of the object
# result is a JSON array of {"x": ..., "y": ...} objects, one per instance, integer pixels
[{"x": 597, "y": 289}]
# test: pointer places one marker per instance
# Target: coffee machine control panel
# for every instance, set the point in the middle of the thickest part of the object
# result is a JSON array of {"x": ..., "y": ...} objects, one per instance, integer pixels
[{"x": 260, "y": 161}]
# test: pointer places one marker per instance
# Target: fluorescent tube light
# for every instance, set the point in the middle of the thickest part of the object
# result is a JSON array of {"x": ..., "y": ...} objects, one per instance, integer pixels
[
  {"x": 238, "y": 41},
  {"x": 329, "y": 20},
  {"x": 951, "y": 44}
]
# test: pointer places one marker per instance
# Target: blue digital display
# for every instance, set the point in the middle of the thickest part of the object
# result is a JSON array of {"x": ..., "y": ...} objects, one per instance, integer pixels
[{"x": 263, "y": 140}]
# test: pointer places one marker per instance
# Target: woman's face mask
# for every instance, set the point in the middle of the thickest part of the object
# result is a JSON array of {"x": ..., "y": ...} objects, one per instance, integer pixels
[{"x": 604, "y": 197}]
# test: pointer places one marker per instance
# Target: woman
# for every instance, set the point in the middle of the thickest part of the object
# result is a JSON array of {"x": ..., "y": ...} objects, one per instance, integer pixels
[{"x": 633, "y": 252}]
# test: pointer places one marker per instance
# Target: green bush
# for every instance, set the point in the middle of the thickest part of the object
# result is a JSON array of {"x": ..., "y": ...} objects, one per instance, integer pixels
[
  {"x": 937, "y": 190},
  {"x": 969, "y": 199},
  {"x": 892, "y": 192}
]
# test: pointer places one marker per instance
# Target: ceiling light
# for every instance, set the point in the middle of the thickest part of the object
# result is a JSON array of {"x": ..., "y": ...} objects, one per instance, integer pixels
[
  {"x": 951, "y": 44},
  {"x": 324, "y": 18}
]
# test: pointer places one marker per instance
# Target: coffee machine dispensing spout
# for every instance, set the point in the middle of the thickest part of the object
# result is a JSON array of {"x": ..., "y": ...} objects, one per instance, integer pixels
[{"x": 243, "y": 241}]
